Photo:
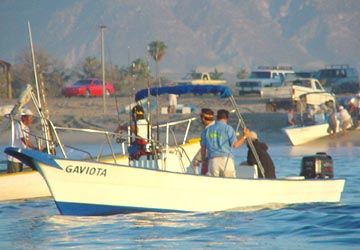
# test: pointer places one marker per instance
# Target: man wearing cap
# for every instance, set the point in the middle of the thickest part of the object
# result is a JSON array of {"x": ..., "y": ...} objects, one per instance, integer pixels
[
  {"x": 264, "y": 157},
  {"x": 207, "y": 119},
  {"x": 140, "y": 129},
  {"x": 217, "y": 143},
  {"x": 20, "y": 139}
]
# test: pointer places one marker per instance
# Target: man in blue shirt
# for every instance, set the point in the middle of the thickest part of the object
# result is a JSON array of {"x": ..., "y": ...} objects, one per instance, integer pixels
[{"x": 217, "y": 143}]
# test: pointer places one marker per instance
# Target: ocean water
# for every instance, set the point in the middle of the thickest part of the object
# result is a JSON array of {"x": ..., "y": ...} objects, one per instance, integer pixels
[{"x": 36, "y": 224}]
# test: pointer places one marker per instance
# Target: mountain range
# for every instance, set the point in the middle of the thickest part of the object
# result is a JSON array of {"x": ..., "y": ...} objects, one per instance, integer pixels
[{"x": 228, "y": 35}]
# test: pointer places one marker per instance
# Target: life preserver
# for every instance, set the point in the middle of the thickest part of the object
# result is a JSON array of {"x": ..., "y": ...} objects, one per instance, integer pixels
[{"x": 137, "y": 149}]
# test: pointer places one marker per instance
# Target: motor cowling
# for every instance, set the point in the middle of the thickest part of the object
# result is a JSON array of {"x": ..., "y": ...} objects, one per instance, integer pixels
[{"x": 317, "y": 166}]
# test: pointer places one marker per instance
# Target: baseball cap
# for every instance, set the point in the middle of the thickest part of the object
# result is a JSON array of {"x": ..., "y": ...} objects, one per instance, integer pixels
[{"x": 27, "y": 112}]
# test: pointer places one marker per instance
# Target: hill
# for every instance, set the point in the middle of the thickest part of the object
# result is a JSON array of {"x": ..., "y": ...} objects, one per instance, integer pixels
[{"x": 201, "y": 34}]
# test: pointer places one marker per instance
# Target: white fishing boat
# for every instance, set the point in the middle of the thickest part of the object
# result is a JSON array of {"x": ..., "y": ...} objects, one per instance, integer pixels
[
  {"x": 299, "y": 135},
  {"x": 164, "y": 179},
  {"x": 303, "y": 133}
]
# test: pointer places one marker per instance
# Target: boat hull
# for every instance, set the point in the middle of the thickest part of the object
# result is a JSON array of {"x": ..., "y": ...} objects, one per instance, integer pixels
[
  {"x": 31, "y": 185},
  {"x": 91, "y": 188},
  {"x": 305, "y": 134},
  {"x": 23, "y": 185}
]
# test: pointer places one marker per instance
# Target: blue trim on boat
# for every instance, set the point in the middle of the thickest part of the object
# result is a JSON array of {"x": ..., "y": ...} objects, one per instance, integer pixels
[
  {"x": 79, "y": 209},
  {"x": 27, "y": 156},
  {"x": 224, "y": 91}
]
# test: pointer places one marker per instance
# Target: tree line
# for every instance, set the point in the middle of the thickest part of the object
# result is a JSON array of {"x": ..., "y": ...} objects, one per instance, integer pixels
[{"x": 51, "y": 71}]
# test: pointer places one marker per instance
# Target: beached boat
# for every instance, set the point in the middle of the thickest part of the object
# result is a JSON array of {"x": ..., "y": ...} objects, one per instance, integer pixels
[
  {"x": 152, "y": 183},
  {"x": 299, "y": 135}
]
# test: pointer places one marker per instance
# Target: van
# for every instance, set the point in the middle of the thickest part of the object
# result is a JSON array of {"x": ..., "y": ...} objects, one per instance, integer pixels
[{"x": 339, "y": 78}]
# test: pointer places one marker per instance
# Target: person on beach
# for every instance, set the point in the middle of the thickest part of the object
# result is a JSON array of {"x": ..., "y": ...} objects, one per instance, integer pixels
[
  {"x": 332, "y": 121},
  {"x": 264, "y": 157},
  {"x": 345, "y": 120},
  {"x": 207, "y": 119},
  {"x": 352, "y": 111},
  {"x": 290, "y": 117},
  {"x": 20, "y": 139},
  {"x": 217, "y": 143},
  {"x": 140, "y": 129},
  {"x": 172, "y": 102}
]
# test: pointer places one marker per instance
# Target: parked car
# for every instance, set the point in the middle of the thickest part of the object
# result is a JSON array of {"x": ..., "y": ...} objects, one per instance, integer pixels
[
  {"x": 339, "y": 78},
  {"x": 87, "y": 88}
]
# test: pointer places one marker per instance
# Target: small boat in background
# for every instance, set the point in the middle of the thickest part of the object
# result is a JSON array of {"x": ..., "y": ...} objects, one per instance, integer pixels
[
  {"x": 23, "y": 185},
  {"x": 28, "y": 184},
  {"x": 312, "y": 124},
  {"x": 299, "y": 135}
]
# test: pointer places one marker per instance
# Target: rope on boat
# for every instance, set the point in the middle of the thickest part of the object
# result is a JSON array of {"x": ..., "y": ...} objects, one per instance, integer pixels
[{"x": 249, "y": 141}]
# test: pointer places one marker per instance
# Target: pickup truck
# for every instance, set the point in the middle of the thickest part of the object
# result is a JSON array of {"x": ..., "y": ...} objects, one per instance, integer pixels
[
  {"x": 199, "y": 78},
  {"x": 263, "y": 76},
  {"x": 292, "y": 91}
]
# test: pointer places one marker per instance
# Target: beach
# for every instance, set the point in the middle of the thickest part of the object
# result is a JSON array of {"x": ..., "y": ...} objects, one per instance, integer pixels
[{"x": 80, "y": 112}]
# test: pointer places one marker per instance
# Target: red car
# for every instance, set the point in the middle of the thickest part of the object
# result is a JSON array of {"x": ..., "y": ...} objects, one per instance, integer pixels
[{"x": 87, "y": 88}]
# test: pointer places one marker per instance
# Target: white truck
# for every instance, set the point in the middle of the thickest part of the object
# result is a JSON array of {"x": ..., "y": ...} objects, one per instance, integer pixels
[
  {"x": 199, "y": 78},
  {"x": 289, "y": 94},
  {"x": 263, "y": 77}
]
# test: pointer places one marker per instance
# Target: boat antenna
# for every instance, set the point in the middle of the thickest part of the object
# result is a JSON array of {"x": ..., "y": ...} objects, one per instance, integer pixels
[
  {"x": 34, "y": 66},
  {"x": 148, "y": 90},
  {"x": 37, "y": 101},
  {"x": 249, "y": 141},
  {"x": 130, "y": 117},
  {"x": 149, "y": 126}
]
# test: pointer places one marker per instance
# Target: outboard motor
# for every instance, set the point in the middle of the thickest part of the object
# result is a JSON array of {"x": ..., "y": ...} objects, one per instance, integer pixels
[{"x": 317, "y": 166}]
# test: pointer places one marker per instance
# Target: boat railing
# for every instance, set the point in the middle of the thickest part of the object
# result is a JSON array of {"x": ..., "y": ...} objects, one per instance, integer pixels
[
  {"x": 107, "y": 149},
  {"x": 107, "y": 140}
]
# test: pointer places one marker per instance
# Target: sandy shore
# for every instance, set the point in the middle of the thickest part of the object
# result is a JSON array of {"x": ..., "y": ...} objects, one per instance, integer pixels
[{"x": 89, "y": 113}]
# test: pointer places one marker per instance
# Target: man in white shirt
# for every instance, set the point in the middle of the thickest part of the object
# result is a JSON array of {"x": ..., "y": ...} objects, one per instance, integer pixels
[
  {"x": 345, "y": 120},
  {"x": 20, "y": 139}
]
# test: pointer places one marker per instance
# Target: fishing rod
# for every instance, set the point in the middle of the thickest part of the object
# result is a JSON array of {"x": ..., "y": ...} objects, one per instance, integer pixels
[
  {"x": 249, "y": 141},
  {"x": 44, "y": 123},
  {"x": 153, "y": 150},
  {"x": 34, "y": 64}
]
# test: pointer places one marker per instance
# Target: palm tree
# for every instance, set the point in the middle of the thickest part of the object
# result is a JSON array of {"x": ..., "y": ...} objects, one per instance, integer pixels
[
  {"x": 90, "y": 67},
  {"x": 157, "y": 50},
  {"x": 242, "y": 74},
  {"x": 216, "y": 75}
]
